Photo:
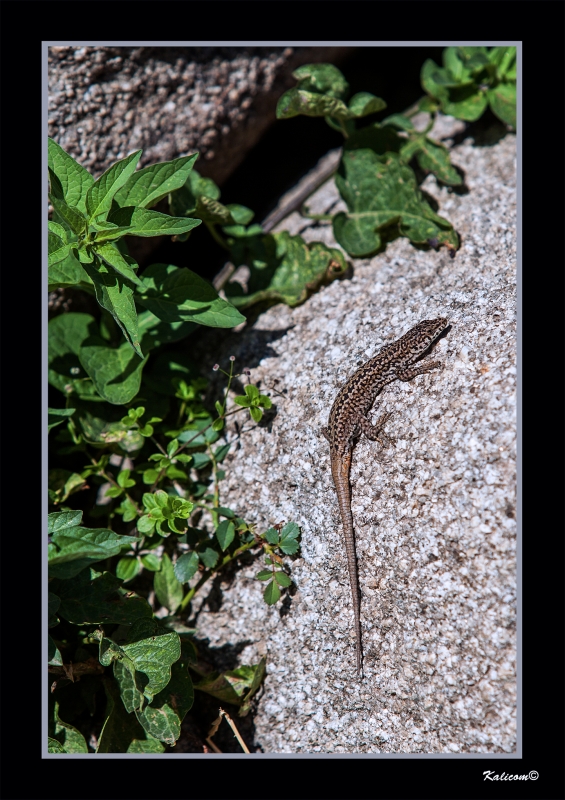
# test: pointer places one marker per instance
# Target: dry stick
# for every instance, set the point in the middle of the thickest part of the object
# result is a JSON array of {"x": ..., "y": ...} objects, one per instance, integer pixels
[{"x": 216, "y": 725}]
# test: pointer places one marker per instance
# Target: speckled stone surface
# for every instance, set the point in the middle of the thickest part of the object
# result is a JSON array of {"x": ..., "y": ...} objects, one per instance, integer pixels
[
  {"x": 106, "y": 102},
  {"x": 435, "y": 516}
]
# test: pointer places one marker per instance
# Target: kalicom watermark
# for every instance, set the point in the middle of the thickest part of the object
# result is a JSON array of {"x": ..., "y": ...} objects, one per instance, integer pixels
[{"x": 489, "y": 775}]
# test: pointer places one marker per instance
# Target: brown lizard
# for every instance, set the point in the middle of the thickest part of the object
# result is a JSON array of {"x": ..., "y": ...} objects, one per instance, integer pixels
[{"x": 348, "y": 420}]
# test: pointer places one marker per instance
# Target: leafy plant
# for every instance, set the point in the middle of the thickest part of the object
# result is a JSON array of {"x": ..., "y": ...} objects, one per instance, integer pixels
[
  {"x": 375, "y": 177},
  {"x": 471, "y": 79}
]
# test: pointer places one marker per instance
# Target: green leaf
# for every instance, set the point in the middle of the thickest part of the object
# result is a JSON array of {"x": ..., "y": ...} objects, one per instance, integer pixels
[
  {"x": 69, "y": 738},
  {"x": 128, "y": 568},
  {"x": 100, "y": 600},
  {"x": 149, "y": 185},
  {"x": 399, "y": 121},
  {"x": 282, "y": 579},
  {"x": 209, "y": 557},
  {"x": 116, "y": 296},
  {"x": 311, "y": 104},
  {"x": 163, "y": 717},
  {"x": 433, "y": 157},
  {"x": 502, "y": 100},
  {"x": 62, "y": 483},
  {"x": 264, "y": 575},
  {"x": 53, "y": 603},
  {"x": 272, "y": 593},
  {"x": 381, "y": 192},
  {"x": 64, "y": 269},
  {"x": 364, "y": 103},
  {"x": 143, "y": 222},
  {"x": 66, "y": 333},
  {"x": 225, "y": 533},
  {"x": 240, "y": 214},
  {"x": 124, "y": 265},
  {"x": 288, "y": 539},
  {"x": 73, "y": 218},
  {"x": 235, "y": 686},
  {"x": 71, "y": 179},
  {"x": 60, "y": 521},
  {"x": 256, "y": 414},
  {"x": 58, "y": 415},
  {"x": 219, "y": 454},
  {"x": 115, "y": 372},
  {"x": 151, "y": 562},
  {"x": 177, "y": 294},
  {"x": 168, "y": 589},
  {"x": 324, "y": 78},
  {"x": 100, "y": 194},
  {"x": 150, "y": 648},
  {"x": 122, "y": 733},
  {"x": 74, "y": 548},
  {"x": 271, "y": 536},
  {"x": 186, "y": 567},
  {"x": 283, "y": 267},
  {"x": 53, "y": 653}
]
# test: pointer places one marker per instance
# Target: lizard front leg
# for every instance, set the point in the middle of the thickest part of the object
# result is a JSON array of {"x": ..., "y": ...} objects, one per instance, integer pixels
[{"x": 374, "y": 432}]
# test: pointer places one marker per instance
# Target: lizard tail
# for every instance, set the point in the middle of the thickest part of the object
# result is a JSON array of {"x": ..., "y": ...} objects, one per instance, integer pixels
[{"x": 340, "y": 472}]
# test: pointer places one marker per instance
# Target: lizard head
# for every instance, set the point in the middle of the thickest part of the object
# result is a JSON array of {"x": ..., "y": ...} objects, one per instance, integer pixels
[{"x": 421, "y": 336}]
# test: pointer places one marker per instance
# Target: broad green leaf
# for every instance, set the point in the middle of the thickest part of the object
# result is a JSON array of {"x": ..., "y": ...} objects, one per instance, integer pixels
[
  {"x": 186, "y": 567},
  {"x": 66, "y": 333},
  {"x": 70, "y": 739},
  {"x": 264, "y": 575},
  {"x": 502, "y": 100},
  {"x": 168, "y": 589},
  {"x": 115, "y": 372},
  {"x": 97, "y": 430},
  {"x": 380, "y": 192},
  {"x": 225, "y": 533},
  {"x": 100, "y": 194},
  {"x": 59, "y": 521},
  {"x": 241, "y": 214},
  {"x": 149, "y": 185},
  {"x": 58, "y": 415},
  {"x": 150, "y": 648},
  {"x": 323, "y": 78},
  {"x": 153, "y": 332},
  {"x": 53, "y": 746},
  {"x": 162, "y": 718},
  {"x": 57, "y": 236},
  {"x": 100, "y": 600},
  {"x": 72, "y": 179},
  {"x": 272, "y": 536},
  {"x": 433, "y": 157},
  {"x": 399, "y": 121},
  {"x": 298, "y": 101},
  {"x": 143, "y": 222},
  {"x": 74, "y": 548},
  {"x": 283, "y": 268},
  {"x": 467, "y": 103},
  {"x": 177, "y": 294},
  {"x": 121, "y": 732},
  {"x": 219, "y": 455},
  {"x": 73, "y": 218},
  {"x": 116, "y": 296},
  {"x": 122, "y": 264},
  {"x": 64, "y": 269},
  {"x": 127, "y": 568},
  {"x": 364, "y": 103}
]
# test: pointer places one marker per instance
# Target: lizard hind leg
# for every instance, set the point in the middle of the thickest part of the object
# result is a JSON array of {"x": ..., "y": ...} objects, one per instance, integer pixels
[{"x": 375, "y": 432}]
